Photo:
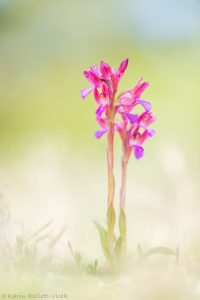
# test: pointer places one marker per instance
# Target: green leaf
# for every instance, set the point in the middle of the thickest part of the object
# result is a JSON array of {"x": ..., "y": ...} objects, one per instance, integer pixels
[
  {"x": 118, "y": 247},
  {"x": 91, "y": 268},
  {"x": 122, "y": 224},
  {"x": 77, "y": 256},
  {"x": 111, "y": 219},
  {"x": 104, "y": 240},
  {"x": 160, "y": 250}
]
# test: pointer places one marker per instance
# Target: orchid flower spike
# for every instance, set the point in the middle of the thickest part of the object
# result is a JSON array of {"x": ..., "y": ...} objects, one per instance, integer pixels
[{"x": 133, "y": 129}]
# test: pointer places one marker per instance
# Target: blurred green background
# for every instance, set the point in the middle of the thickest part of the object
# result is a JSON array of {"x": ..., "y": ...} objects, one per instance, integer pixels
[
  {"x": 45, "y": 46},
  {"x": 51, "y": 165}
]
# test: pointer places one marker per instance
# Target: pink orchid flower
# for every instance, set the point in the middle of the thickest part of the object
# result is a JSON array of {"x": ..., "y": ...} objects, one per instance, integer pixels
[
  {"x": 125, "y": 103},
  {"x": 130, "y": 98},
  {"x": 134, "y": 131},
  {"x": 106, "y": 77},
  {"x": 104, "y": 81}
]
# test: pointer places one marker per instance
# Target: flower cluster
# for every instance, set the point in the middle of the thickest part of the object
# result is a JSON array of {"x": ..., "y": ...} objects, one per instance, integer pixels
[
  {"x": 106, "y": 78},
  {"x": 134, "y": 130},
  {"x": 116, "y": 111}
]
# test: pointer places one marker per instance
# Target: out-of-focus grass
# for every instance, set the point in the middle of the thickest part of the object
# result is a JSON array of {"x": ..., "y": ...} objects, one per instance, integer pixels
[{"x": 29, "y": 270}]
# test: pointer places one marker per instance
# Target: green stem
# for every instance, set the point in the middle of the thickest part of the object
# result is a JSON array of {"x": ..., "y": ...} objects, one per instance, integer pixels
[
  {"x": 110, "y": 160},
  {"x": 123, "y": 185},
  {"x": 122, "y": 230},
  {"x": 111, "y": 180},
  {"x": 122, "y": 217},
  {"x": 124, "y": 163}
]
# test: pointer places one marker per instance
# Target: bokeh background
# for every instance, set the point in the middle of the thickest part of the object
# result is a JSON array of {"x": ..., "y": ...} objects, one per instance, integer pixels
[{"x": 51, "y": 166}]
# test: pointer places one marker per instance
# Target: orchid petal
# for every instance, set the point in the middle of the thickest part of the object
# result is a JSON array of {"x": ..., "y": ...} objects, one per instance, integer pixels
[
  {"x": 122, "y": 68},
  {"x": 100, "y": 110},
  {"x": 97, "y": 95},
  {"x": 102, "y": 122},
  {"x": 138, "y": 151},
  {"x": 125, "y": 100},
  {"x": 106, "y": 91},
  {"x": 98, "y": 134},
  {"x": 146, "y": 118},
  {"x": 92, "y": 78},
  {"x": 132, "y": 118},
  {"x": 95, "y": 70},
  {"x": 140, "y": 87},
  {"x": 86, "y": 92},
  {"x": 145, "y": 104},
  {"x": 114, "y": 80},
  {"x": 105, "y": 69},
  {"x": 151, "y": 132},
  {"x": 145, "y": 135}
]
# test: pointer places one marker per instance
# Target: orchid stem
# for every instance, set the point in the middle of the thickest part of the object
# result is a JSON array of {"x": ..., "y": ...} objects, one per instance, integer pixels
[
  {"x": 110, "y": 159},
  {"x": 111, "y": 188},
  {"x": 122, "y": 216},
  {"x": 123, "y": 185},
  {"x": 124, "y": 163}
]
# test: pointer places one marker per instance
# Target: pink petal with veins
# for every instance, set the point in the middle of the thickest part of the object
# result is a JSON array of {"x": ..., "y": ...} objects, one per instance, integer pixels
[
  {"x": 137, "y": 91},
  {"x": 92, "y": 78},
  {"x": 122, "y": 68},
  {"x": 105, "y": 69}
]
